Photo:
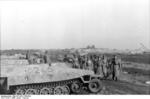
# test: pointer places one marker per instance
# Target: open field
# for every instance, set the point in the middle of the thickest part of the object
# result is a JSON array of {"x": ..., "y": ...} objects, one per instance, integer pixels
[{"x": 138, "y": 58}]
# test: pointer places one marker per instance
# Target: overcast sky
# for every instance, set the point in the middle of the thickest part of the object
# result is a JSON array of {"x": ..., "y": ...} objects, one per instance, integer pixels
[{"x": 120, "y": 24}]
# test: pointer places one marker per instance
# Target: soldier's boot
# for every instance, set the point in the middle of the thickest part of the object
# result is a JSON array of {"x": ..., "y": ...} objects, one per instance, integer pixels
[
  {"x": 95, "y": 71},
  {"x": 106, "y": 75},
  {"x": 113, "y": 76},
  {"x": 116, "y": 78}
]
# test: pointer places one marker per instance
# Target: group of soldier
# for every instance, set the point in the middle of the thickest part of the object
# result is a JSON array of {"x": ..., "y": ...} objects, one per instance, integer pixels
[
  {"x": 100, "y": 64},
  {"x": 38, "y": 58}
]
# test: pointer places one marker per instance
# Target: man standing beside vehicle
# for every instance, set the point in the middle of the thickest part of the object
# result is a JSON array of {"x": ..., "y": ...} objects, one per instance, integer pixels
[
  {"x": 47, "y": 58},
  {"x": 116, "y": 67}
]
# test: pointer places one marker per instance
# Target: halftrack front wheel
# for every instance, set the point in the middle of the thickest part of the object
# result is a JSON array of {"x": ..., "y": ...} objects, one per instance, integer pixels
[
  {"x": 76, "y": 87},
  {"x": 95, "y": 86}
]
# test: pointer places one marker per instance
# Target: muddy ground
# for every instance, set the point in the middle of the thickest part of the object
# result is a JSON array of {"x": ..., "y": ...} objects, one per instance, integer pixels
[
  {"x": 122, "y": 87},
  {"x": 132, "y": 80}
]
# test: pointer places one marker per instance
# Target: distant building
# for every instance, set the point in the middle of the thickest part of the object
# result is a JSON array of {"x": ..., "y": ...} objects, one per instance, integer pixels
[{"x": 90, "y": 47}]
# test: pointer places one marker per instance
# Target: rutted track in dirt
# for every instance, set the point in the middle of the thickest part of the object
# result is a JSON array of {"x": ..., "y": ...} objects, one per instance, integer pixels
[{"x": 121, "y": 87}]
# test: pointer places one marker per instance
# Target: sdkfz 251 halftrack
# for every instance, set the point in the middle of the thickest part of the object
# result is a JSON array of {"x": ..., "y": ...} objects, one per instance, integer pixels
[{"x": 44, "y": 79}]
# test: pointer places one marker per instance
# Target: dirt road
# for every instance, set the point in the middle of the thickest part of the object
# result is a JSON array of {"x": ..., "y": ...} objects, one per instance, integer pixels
[
  {"x": 131, "y": 82},
  {"x": 122, "y": 87},
  {"x": 127, "y": 84}
]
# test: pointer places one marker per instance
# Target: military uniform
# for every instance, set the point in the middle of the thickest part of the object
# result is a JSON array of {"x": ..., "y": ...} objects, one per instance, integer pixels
[
  {"x": 28, "y": 57},
  {"x": 115, "y": 68},
  {"x": 95, "y": 61},
  {"x": 79, "y": 60},
  {"x": 99, "y": 68},
  {"x": 104, "y": 67},
  {"x": 75, "y": 63},
  {"x": 47, "y": 59},
  {"x": 90, "y": 64}
]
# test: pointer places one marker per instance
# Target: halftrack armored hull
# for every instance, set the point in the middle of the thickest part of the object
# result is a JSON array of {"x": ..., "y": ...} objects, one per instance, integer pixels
[{"x": 44, "y": 79}]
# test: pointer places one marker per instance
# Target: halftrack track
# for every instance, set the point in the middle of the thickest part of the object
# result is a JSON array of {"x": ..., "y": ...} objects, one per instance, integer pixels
[{"x": 53, "y": 88}]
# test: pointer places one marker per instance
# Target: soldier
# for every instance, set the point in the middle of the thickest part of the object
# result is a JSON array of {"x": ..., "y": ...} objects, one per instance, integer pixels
[
  {"x": 47, "y": 58},
  {"x": 116, "y": 65},
  {"x": 29, "y": 57},
  {"x": 84, "y": 62},
  {"x": 79, "y": 60},
  {"x": 95, "y": 62},
  {"x": 99, "y": 67},
  {"x": 75, "y": 62},
  {"x": 109, "y": 67},
  {"x": 65, "y": 58},
  {"x": 104, "y": 66},
  {"x": 89, "y": 64},
  {"x": 72, "y": 60},
  {"x": 28, "y": 54}
]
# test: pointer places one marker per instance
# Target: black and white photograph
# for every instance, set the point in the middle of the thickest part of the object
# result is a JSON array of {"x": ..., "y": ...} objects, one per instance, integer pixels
[{"x": 74, "y": 47}]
